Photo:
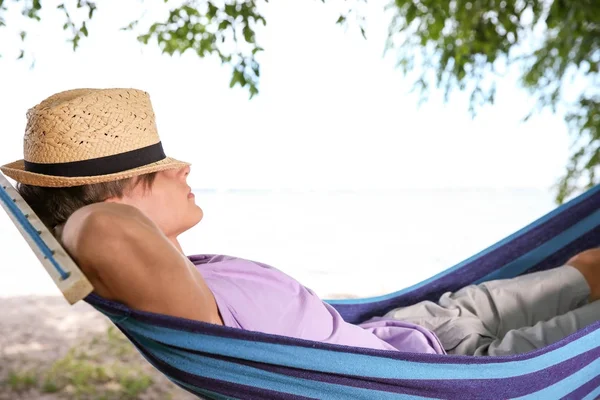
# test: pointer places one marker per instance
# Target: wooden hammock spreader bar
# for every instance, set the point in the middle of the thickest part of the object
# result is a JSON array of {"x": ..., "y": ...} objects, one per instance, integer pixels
[{"x": 62, "y": 269}]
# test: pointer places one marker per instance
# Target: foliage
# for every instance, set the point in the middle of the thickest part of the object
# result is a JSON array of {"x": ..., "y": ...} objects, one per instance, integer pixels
[
  {"x": 464, "y": 45},
  {"x": 469, "y": 44},
  {"x": 103, "y": 366},
  {"x": 21, "y": 380},
  {"x": 224, "y": 29}
]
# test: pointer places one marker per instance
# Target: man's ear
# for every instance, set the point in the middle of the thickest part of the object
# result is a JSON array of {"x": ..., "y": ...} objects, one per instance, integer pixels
[{"x": 57, "y": 231}]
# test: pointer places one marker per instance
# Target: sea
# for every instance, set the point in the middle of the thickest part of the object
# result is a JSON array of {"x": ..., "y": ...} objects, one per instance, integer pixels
[{"x": 339, "y": 243}]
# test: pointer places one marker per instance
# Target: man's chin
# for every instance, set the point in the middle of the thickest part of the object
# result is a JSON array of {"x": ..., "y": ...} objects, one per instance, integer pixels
[{"x": 198, "y": 216}]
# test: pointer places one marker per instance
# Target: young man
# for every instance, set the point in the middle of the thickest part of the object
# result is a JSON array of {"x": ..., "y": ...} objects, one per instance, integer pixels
[{"x": 95, "y": 172}]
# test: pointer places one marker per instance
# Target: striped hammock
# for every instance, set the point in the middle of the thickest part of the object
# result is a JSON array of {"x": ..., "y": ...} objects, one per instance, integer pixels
[{"x": 223, "y": 363}]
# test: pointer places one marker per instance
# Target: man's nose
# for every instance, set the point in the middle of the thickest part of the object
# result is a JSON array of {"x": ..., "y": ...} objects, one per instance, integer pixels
[{"x": 185, "y": 171}]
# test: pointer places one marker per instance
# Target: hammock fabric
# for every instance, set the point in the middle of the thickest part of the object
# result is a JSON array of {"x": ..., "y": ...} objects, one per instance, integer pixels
[{"x": 221, "y": 363}]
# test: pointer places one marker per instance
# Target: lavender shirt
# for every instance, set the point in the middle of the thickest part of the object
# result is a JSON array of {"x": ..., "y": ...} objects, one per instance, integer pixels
[{"x": 254, "y": 296}]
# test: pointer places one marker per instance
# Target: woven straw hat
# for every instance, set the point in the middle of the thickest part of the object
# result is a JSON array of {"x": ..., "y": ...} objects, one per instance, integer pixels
[{"x": 86, "y": 136}]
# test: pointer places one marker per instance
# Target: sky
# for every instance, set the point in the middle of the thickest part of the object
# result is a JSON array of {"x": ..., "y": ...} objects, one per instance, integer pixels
[{"x": 333, "y": 113}]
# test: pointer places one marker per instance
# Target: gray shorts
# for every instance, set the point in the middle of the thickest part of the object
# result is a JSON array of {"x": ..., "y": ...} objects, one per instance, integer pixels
[{"x": 508, "y": 316}]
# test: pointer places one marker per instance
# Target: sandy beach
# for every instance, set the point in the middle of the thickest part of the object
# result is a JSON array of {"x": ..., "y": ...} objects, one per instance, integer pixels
[{"x": 51, "y": 350}]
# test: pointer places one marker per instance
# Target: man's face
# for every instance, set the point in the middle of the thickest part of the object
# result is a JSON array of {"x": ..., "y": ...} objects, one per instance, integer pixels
[{"x": 169, "y": 203}]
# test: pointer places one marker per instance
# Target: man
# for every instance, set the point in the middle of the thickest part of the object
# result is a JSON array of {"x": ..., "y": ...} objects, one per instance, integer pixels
[{"x": 95, "y": 172}]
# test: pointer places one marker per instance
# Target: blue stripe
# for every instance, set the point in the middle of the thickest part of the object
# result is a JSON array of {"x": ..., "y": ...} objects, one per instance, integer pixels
[
  {"x": 358, "y": 364},
  {"x": 565, "y": 386},
  {"x": 191, "y": 388},
  {"x": 534, "y": 257},
  {"x": 197, "y": 391},
  {"x": 250, "y": 376},
  {"x": 32, "y": 232},
  {"x": 594, "y": 395},
  {"x": 469, "y": 260}
]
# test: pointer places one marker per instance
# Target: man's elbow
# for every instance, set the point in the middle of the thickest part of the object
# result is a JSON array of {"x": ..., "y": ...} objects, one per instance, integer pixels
[{"x": 93, "y": 233}]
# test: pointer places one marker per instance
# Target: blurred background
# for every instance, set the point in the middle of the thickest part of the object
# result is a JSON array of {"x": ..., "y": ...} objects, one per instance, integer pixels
[{"x": 358, "y": 146}]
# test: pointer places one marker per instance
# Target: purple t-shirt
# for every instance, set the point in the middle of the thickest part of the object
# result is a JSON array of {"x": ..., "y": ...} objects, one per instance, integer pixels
[{"x": 254, "y": 296}]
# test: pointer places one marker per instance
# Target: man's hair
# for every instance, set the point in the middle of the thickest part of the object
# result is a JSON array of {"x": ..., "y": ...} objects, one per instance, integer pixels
[{"x": 55, "y": 205}]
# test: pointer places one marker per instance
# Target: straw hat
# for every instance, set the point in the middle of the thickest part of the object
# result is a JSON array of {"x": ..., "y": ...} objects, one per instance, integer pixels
[{"x": 86, "y": 136}]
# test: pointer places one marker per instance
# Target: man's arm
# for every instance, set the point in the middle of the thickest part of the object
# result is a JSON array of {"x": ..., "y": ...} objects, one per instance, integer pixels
[{"x": 128, "y": 259}]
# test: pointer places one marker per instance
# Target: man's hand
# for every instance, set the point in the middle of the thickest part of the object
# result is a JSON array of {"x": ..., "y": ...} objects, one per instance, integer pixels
[{"x": 588, "y": 263}]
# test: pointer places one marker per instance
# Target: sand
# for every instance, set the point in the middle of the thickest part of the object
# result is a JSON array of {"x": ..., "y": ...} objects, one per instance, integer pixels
[{"x": 36, "y": 331}]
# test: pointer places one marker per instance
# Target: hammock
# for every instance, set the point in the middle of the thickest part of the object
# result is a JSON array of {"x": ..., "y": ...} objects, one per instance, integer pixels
[{"x": 221, "y": 363}]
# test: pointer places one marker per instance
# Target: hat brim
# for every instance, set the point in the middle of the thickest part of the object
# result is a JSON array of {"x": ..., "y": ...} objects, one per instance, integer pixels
[{"x": 16, "y": 171}]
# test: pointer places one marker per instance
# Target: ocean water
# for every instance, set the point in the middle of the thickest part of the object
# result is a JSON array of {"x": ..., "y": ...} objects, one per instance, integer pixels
[{"x": 352, "y": 243}]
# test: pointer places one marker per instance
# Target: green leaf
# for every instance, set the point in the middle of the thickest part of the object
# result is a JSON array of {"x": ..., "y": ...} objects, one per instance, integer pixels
[
  {"x": 253, "y": 90},
  {"x": 130, "y": 26},
  {"x": 235, "y": 77},
  {"x": 144, "y": 38},
  {"x": 212, "y": 11},
  {"x": 75, "y": 41},
  {"x": 248, "y": 34},
  {"x": 224, "y": 24},
  {"x": 230, "y": 10}
]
